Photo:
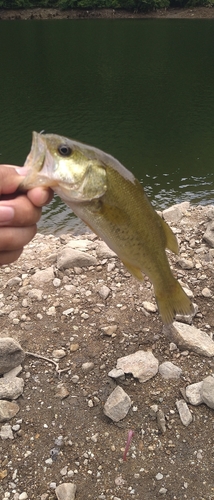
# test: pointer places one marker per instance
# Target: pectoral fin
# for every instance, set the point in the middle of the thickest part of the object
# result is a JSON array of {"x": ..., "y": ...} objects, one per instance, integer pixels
[{"x": 171, "y": 240}]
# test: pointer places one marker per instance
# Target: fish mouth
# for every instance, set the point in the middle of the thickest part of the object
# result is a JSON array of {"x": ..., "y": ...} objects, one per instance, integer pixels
[{"x": 39, "y": 162}]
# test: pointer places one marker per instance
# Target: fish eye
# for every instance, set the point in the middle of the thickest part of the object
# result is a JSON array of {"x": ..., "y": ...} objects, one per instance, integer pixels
[{"x": 64, "y": 150}]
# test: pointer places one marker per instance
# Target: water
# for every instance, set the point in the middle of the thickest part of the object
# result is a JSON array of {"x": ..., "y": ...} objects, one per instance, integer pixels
[{"x": 142, "y": 90}]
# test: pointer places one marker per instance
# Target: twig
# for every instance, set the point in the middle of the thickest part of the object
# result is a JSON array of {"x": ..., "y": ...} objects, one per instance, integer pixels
[{"x": 39, "y": 356}]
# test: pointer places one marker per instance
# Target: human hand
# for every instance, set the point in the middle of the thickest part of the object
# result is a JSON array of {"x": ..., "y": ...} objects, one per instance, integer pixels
[{"x": 19, "y": 212}]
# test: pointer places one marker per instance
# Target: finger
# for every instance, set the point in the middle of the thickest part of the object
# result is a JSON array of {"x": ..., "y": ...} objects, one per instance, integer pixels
[
  {"x": 9, "y": 257},
  {"x": 9, "y": 179},
  {"x": 15, "y": 238},
  {"x": 40, "y": 196},
  {"x": 25, "y": 213}
]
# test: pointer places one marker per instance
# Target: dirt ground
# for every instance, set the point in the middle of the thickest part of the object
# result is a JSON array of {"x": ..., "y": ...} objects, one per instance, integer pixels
[
  {"x": 27, "y": 14},
  {"x": 178, "y": 464}
]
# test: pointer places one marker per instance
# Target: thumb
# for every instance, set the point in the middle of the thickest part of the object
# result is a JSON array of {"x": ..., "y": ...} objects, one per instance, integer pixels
[{"x": 10, "y": 178}]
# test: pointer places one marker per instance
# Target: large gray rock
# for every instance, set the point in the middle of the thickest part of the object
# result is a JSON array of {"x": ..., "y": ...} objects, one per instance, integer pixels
[
  {"x": 168, "y": 370},
  {"x": 8, "y": 410},
  {"x": 66, "y": 491},
  {"x": 43, "y": 276},
  {"x": 142, "y": 364},
  {"x": 11, "y": 354},
  {"x": 11, "y": 388},
  {"x": 176, "y": 212},
  {"x": 70, "y": 257},
  {"x": 103, "y": 251},
  {"x": 207, "y": 391},
  {"x": 117, "y": 404},
  {"x": 189, "y": 337},
  {"x": 82, "y": 245},
  {"x": 209, "y": 234},
  {"x": 193, "y": 393}
]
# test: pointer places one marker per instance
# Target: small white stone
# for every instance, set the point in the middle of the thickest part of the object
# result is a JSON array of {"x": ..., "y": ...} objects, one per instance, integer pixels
[
  {"x": 150, "y": 307},
  {"x": 59, "y": 353},
  {"x": 159, "y": 476},
  {"x": 56, "y": 282},
  {"x": 23, "y": 496},
  {"x": 206, "y": 292},
  {"x": 68, "y": 311},
  {"x": 51, "y": 311},
  {"x": 52, "y": 486}
]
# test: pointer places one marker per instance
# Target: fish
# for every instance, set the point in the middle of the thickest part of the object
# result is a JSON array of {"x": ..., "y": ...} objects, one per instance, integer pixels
[{"x": 113, "y": 203}]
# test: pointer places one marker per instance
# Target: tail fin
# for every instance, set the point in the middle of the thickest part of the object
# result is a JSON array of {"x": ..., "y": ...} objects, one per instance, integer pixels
[{"x": 172, "y": 302}]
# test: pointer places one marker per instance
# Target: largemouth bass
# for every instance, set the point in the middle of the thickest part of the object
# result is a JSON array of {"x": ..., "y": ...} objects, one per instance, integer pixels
[{"x": 108, "y": 198}]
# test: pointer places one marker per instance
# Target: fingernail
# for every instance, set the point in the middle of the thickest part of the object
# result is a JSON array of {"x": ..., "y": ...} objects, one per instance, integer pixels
[
  {"x": 22, "y": 170},
  {"x": 6, "y": 214}
]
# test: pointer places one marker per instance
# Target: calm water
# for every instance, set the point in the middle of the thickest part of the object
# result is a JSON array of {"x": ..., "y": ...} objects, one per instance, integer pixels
[{"x": 141, "y": 90}]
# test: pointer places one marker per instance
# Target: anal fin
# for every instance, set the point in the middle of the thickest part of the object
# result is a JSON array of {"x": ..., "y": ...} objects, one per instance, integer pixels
[{"x": 135, "y": 271}]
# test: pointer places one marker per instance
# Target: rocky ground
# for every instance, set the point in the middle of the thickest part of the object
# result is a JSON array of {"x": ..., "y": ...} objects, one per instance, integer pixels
[
  {"x": 75, "y": 311},
  {"x": 28, "y": 14}
]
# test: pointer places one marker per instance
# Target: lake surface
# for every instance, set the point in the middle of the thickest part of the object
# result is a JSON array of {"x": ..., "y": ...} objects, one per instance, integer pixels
[{"x": 141, "y": 90}]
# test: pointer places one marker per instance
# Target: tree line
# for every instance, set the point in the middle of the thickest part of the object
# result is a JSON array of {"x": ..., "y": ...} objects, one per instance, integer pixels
[{"x": 133, "y": 5}]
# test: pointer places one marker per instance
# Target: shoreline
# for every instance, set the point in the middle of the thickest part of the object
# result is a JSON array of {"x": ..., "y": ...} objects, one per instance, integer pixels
[
  {"x": 76, "y": 313},
  {"x": 50, "y": 14}
]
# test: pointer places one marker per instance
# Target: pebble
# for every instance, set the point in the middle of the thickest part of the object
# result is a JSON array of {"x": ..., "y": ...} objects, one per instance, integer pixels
[
  {"x": 58, "y": 353},
  {"x": 11, "y": 354},
  {"x": 163, "y": 491},
  {"x": 206, "y": 292},
  {"x": 186, "y": 264},
  {"x": 109, "y": 330},
  {"x": 42, "y": 277},
  {"x": 193, "y": 393},
  {"x": 62, "y": 392},
  {"x": 11, "y": 388},
  {"x": 8, "y": 410},
  {"x": 51, "y": 311},
  {"x": 56, "y": 282},
  {"x": 52, "y": 486},
  {"x": 23, "y": 496},
  {"x": 36, "y": 294},
  {"x": 161, "y": 421},
  {"x": 117, "y": 404},
  {"x": 184, "y": 412},
  {"x": 150, "y": 307},
  {"x": 117, "y": 373},
  {"x": 159, "y": 476},
  {"x": 142, "y": 364},
  {"x": 87, "y": 367},
  {"x": 64, "y": 471},
  {"x": 207, "y": 391},
  {"x": 191, "y": 338},
  {"x": 104, "y": 292},
  {"x": 66, "y": 491},
  {"x": 74, "y": 347},
  {"x": 169, "y": 371}
]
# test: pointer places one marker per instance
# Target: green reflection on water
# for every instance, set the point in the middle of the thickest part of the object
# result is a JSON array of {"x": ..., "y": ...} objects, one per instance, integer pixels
[{"x": 140, "y": 89}]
